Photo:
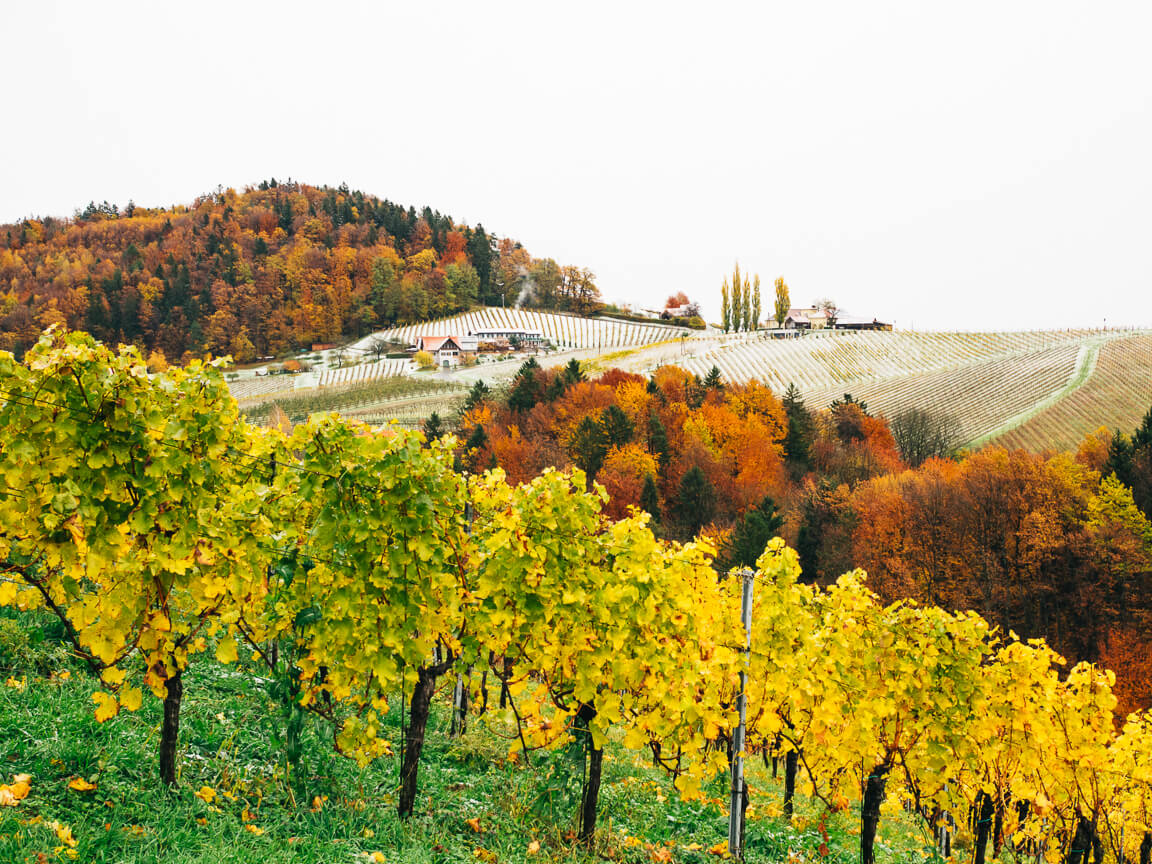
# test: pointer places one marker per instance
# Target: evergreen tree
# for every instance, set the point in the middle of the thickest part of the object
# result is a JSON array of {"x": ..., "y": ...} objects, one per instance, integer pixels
[
  {"x": 526, "y": 390},
  {"x": 658, "y": 440},
  {"x": 849, "y": 399},
  {"x": 750, "y": 535},
  {"x": 618, "y": 429},
  {"x": 588, "y": 447},
  {"x": 555, "y": 388},
  {"x": 479, "y": 394},
  {"x": 478, "y": 440},
  {"x": 798, "y": 439},
  {"x": 1142, "y": 439},
  {"x": 696, "y": 501},
  {"x": 573, "y": 373},
  {"x": 713, "y": 380},
  {"x": 650, "y": 498},
  {"x": 479, "y": 247},
  {"x": 433, "y": 427}
]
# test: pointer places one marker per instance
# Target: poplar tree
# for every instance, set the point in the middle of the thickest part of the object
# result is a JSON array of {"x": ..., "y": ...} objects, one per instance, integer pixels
[
  {"x": 782, "y": 301},
  {"x": 746, "y": 306},
  {"x": 756, "y": 303},
  {"x": 725, "y": 308}
]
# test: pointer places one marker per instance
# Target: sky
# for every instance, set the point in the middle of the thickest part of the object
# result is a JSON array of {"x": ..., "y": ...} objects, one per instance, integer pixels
[{"x": 941, "y": 166}]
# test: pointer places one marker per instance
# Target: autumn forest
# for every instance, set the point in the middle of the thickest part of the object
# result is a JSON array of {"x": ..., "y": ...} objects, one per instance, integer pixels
[{"x": 261, "y": 272}]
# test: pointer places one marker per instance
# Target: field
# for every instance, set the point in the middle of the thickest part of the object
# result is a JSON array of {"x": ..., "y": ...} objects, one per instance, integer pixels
[
  {"x": 409, "y": 399},
  {"x": 1034, "y": 389},
  {"x": 1050, "y": 385},
  {"x": 563, "y": 331},
  {"x": 1116, "y": 395}
]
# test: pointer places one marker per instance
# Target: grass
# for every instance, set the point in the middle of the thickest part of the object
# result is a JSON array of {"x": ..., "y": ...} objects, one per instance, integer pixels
[{"x": 333, "y": 811}]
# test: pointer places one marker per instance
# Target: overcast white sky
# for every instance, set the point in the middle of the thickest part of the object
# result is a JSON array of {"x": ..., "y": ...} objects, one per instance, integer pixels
[{"x": 966, "y": 165}]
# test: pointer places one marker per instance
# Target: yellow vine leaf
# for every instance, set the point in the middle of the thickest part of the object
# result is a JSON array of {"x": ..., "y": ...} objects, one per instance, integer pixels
[
  {"x": 106, "y": 706},
  {"x": 79, "y": 784}
]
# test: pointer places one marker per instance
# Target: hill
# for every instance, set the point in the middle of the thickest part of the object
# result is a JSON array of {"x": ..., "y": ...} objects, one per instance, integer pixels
[
  {"x": 1053, "y": 385},
  {"x": 256, "y": 273}
]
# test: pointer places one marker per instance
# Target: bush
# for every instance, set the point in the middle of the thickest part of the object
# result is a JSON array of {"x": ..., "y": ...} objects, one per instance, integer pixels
[{"x": 424, "y": 359}]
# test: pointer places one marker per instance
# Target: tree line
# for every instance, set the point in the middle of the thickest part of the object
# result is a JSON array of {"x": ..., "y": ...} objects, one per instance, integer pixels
[{"x": 263, "y": 271}]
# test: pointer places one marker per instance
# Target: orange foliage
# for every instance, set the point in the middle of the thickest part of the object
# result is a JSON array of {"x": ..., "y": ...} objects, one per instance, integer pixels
[{"x": 623, "y": 477}]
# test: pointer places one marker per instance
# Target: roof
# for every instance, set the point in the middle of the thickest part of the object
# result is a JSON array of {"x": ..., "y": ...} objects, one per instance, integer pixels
[{"x": 435, "y": 343}]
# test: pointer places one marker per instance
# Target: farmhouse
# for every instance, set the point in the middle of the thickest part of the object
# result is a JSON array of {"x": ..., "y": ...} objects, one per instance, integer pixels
[
  {"x": 808, "y": 318},
  {"x": 508, "y": 336},
  {"x": 446, "y": 350}
]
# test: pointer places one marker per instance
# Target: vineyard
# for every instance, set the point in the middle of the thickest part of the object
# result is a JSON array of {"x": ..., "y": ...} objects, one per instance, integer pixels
[
  {"x": 563, "y": 331},
  {"x": 353, "y": 576},
  {"x": 1115, "y": 395},
  {"x": 990, "y": 382},
  {"x": 373, "y": 399}
]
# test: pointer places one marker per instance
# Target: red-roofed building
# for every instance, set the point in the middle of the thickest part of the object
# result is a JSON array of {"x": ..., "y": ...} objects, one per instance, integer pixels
[{"x": 447, "y": 350}]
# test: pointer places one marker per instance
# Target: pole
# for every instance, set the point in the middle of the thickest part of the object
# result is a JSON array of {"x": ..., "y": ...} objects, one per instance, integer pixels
[{"x": 739, "y": 797}]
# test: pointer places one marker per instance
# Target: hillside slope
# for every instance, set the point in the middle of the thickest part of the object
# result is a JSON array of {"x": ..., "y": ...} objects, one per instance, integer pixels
[
  {"x": 1050, "y": 386},
  {"x": 1116, "y": 394}
]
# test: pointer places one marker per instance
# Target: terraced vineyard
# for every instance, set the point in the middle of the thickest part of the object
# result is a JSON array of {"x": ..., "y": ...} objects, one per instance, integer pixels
[
  {"x": 1047, "y": 383},
  {"x": 563, "y": 331},
  {"x": 363, "y": 372},
  {"x": 1116, "y": 395},
  {"x": 406, "y": 399}
]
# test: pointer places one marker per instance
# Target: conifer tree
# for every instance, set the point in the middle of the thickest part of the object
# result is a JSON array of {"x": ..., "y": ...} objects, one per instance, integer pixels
[{"x": 650, "y": 498}]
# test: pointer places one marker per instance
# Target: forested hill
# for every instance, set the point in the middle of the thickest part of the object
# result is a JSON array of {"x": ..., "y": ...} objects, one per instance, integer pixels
[{"x": 249, "y": 273}]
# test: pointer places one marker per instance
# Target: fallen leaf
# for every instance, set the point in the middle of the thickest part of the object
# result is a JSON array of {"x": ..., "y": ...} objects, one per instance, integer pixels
[
  {"x": 81, "y": 785},
  {"x": 11, "y": 795},
  {"x": 206, "y": 794},
  {"x": 254, "y": 830},
  {"x": 474, "y": 824},
  {"x": 533, "y": 847},
  {"x": 720, "y": 849}
]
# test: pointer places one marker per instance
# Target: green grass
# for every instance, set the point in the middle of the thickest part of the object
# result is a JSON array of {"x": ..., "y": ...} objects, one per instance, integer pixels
[{"x": 230, "y": 741}]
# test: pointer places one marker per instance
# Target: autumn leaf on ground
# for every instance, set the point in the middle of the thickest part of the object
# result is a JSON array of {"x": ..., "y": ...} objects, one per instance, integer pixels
[
  {"x": 485, "y": 855},
  {"x": 253, "y": 829},
  {"x": 474, "y": 824},
  {"x": 533, "y": 847},
  {"x": 720, "y": 849},
  {"x": 375, "y": 857},
  {"x": 206, "y": 794},
  {"x": 81, "y": 785},
  {"x": 11, "y": 795}
]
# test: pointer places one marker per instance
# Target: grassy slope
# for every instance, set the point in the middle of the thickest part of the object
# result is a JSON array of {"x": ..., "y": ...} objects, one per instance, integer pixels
[{"x": 229, "y": 741}]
